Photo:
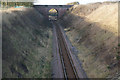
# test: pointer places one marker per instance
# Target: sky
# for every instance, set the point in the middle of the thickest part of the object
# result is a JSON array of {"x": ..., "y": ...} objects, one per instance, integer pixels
[{"x": 63, "y": 2}]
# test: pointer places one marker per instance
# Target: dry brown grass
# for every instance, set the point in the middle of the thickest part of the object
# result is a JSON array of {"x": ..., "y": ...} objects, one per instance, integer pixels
[
  {"x": 27, "y": 41},
  {"x": 93, "y": 29}
]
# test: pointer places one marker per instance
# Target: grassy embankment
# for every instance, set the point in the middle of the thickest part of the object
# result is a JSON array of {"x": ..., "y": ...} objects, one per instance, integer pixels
[
  {"x": 26, "y": 44},
  {"x": 93, "y": 29}
]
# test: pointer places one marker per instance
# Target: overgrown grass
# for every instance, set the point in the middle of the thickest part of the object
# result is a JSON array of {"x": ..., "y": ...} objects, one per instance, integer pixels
[{"x": 26, "y": 45}]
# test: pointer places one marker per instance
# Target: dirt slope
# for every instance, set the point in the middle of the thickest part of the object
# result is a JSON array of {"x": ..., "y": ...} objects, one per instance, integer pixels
[
  {"x": 26, "y": 44},
  {"x": 93, "y": 29}
]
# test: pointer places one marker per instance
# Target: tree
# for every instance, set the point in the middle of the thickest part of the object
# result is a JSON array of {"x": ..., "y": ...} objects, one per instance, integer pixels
[
  {"x": 73, "y": 3},
  {"x": 13, "y": 4}
]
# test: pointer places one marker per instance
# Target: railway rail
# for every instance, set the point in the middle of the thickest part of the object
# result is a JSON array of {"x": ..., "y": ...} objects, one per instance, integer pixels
[{"x": 66, "y": 60}]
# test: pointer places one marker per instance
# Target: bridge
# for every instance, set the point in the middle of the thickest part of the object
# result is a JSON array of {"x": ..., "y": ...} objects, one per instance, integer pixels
[{"x": 44, "y": 9}]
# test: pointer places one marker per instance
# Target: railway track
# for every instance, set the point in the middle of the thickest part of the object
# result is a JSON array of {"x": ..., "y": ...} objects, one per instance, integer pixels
[{"x": 66, "y": 60}]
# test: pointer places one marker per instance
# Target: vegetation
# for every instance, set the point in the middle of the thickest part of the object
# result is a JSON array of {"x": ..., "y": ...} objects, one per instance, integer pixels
[
  {"x": 119, "y": 44},
  {"x": 13, "y": 4},
  {"x": 73, "y": 3},
  {"x": 95, "y": 36},
  {"x": 53, "y": 12},
  {"x": 27, "y": 44},
  {"x": 118, "y": 57}
]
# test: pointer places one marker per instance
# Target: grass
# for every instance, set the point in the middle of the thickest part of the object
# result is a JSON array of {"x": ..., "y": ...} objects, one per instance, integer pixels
[
  {"x": 119, "y": 44},
  {"x": 118, "y": 57},
  {"x": 94, "y": 41},
  {"x": 26, "y": 45}
]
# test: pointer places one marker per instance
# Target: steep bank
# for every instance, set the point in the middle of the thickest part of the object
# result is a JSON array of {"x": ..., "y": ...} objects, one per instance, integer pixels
[
  {"x": 93, "y": 29},
  {"x": 26, "y": 44}
]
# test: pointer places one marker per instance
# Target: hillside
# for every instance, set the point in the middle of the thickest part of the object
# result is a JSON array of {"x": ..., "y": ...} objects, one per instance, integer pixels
[
  {"x": 93, "y": 30},
  {"x": 26, "y": 44}
]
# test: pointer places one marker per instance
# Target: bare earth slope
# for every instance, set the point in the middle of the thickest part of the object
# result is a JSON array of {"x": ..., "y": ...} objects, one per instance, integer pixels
[
  {"x": 93, "y": 29},
  {"x": 26, "y": 44}
]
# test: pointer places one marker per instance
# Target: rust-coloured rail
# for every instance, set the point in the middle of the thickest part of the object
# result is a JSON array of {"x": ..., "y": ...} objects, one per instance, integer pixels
[{"x": 66, "y": 60}]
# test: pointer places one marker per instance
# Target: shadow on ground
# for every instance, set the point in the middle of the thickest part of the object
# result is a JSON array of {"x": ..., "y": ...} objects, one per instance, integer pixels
[{"x": 26, "y": 44}]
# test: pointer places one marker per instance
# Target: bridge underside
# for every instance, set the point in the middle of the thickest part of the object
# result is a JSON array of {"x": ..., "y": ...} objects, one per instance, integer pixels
[{"x": 44, "y": 9}]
